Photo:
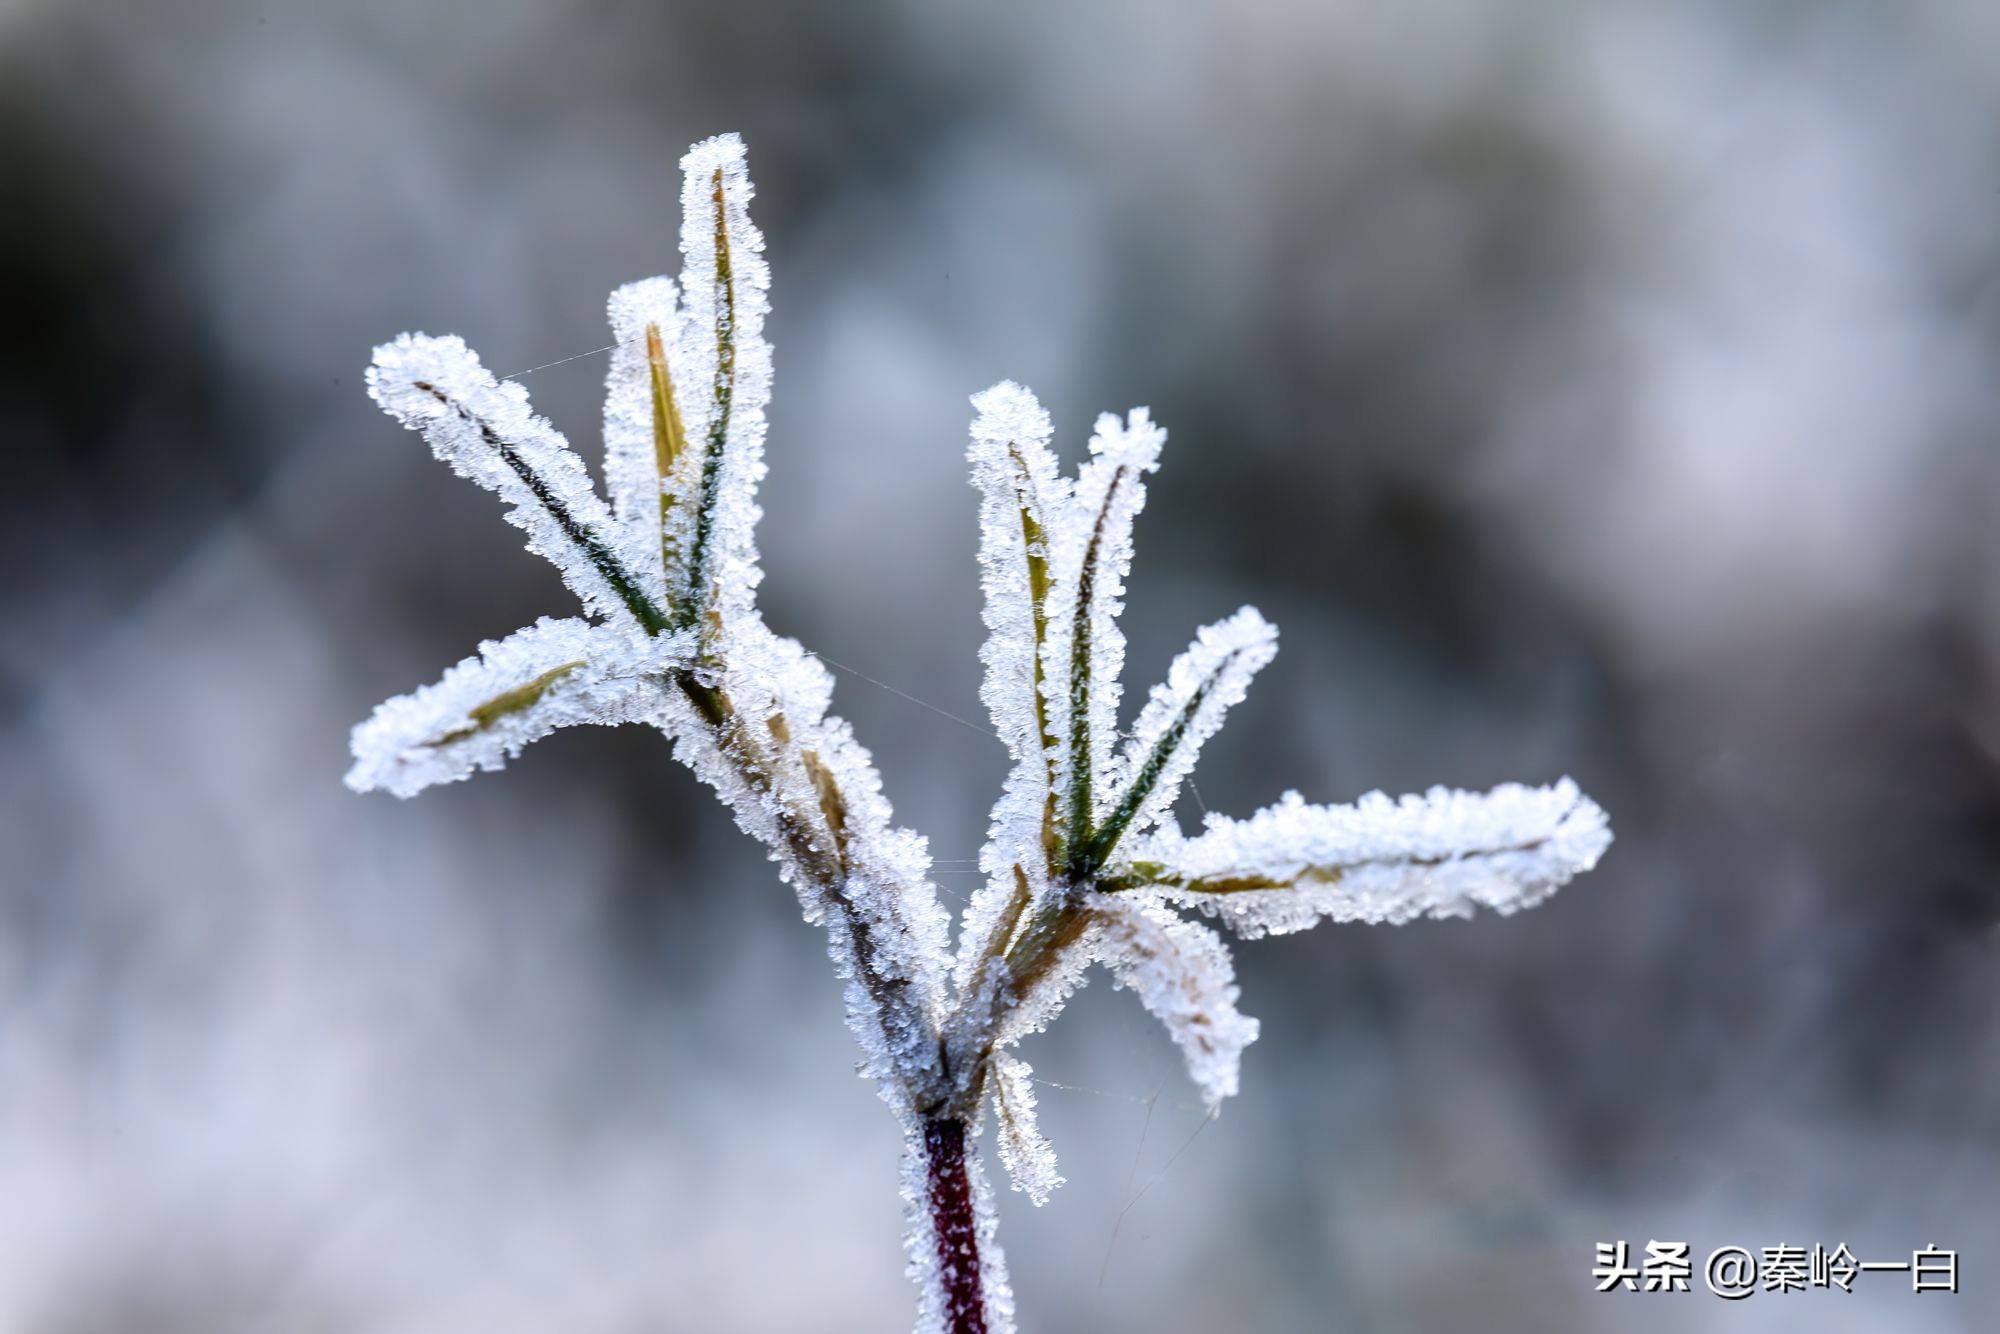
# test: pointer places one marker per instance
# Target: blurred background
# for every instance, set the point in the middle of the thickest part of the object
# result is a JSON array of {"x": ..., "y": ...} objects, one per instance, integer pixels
[{"x": 1591, "y": 388}]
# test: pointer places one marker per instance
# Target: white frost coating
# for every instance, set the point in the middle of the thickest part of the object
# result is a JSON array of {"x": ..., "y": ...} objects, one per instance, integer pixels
[
  {"x": 920, "y": 1239},
  {"x": 631, "y": 465},
  {"x": 1441, "y": 854},
  {"x": 1182, "y": 974},
  {"x": 1016, "y": 474},
  {"x": 853, "y": 870},
  {"x": 477, "y": 424},
  {"x": 1020, "y": 491},
  {"x": 1094, "y": 543},
  {"x": 713, "y": 383},
  {"x": 1035, "y": 1007},
  {"x": 1029, "y": 1158},
  {"x": 556, "y": 673},
  {"x": 1204, "y": 683},
  {"x": 1013, "y": 840}
]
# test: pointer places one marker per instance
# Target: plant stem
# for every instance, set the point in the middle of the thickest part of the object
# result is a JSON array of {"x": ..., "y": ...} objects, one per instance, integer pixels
[{"x": 954, "y": 1226}]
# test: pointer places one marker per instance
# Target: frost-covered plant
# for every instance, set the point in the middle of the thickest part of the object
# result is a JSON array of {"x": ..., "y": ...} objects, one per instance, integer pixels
[{"x": 1084, "y": 864}]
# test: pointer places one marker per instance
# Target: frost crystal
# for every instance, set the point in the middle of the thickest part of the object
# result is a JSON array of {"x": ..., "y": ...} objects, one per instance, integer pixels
[
  {"x": 1030, "y": 1160},
  {"x": 556, "y": 673},
  {"x": 1082, "y": 864},
  {"x": 1092, "y": 554},
  {"x": 485, "y": 430},
  {"x": 723, "y": 367},
  {"x": 1204, "y": 682},
  {"x": 1181, "y": 973},
  {"x": 1441, "y": 854},
  {"x": 646, "y": 458}
]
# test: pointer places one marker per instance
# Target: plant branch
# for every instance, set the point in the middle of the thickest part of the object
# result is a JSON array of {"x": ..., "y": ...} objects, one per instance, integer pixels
[{"x": 703, "y": 555}]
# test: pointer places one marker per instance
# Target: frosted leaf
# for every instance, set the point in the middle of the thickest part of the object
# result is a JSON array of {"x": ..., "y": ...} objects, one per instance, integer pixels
[
  {"x": 724, "y": 366},
  {"x": 1441, "y": 854},
  {"x": 1092, "y": 548},
  {"x": 1182, "y": 974},
  {"x": 1205, "y": 681},
  {"x": 646, "y": 456},
  {"x": 1028, "y": 1157},
  {"x": 556, "y": 673},
  {"x": 1020, "y": 495},
  {"x": 933, "y": 1266},
  {"x": 485, "y": 430}
]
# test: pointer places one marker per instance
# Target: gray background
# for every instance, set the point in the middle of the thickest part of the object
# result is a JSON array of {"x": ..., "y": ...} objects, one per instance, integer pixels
[{"x": 1592, "y": 388}]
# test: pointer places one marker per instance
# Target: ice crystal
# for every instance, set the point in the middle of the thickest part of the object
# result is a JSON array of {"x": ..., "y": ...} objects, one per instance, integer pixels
[
  {"x": 1091, "y": 550},
  {"x": 1082, "y": 863},
  {"x": 1030, "y": 1159},
  {"x": 1182, "y": 974},
  {"x": 1187, "y": 709},
  {"x": 647, "y": 461},
  {"x": 724, "y": 365},
  {"x": 486, "y": 431},
  {"x": 555, "y": 673},
  {"x": 1441, "y": 854}
]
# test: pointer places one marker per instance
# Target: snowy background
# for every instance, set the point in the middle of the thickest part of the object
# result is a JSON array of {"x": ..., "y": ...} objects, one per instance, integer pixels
[{"x": 1601, "y": 388}]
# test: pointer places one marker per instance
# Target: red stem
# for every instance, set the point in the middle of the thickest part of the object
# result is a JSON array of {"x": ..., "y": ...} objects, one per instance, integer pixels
[{"x": 954, "y": 1226}]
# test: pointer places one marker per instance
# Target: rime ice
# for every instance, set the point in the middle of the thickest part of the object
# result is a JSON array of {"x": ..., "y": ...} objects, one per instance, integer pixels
[
  {"x": 1182, "y": 974},
  {"x": 555, "y": 673},
  {"x": 1082, "y": 864},
  {"x": 1030, "y": 1159},
  {"x": 1441, "y": 854},
  {"x": 484, "y": 429}
]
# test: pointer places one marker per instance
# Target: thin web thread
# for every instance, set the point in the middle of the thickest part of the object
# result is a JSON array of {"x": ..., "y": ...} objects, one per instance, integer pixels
[
  {"x": 904, "y": 694},
  {"x": 564, "y": 361}
]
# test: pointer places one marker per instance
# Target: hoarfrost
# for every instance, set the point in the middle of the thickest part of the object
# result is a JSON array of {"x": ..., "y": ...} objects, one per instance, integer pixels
[
  {"x": 484, "y": 429},
  {"x": 723, "y": 371},
  {"x": 1205, "y": 681},
  {"x": 1021, "y": 496},
  {"x": 1182, "y": 974},
  {"x": 747, "y": 709},
  {"x": 1092, "y": 547},
  {"x": 646, "y": 462},
  {"x": 798, "y": 782},
  {"x": 1440, "y": 854},
  {"x": 485, "y": 710},
  {"x": 1029, "y": 1158},
  {"x": 1035, "y": 1005}
]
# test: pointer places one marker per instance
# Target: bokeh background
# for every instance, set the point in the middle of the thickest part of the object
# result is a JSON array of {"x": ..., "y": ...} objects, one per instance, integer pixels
[{"x": 1599, "y": 388}]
